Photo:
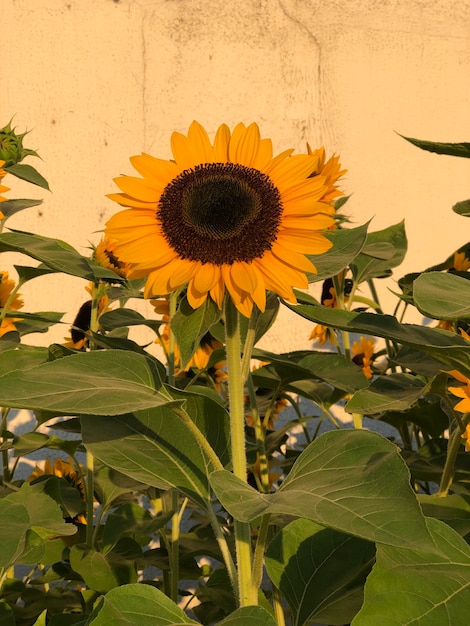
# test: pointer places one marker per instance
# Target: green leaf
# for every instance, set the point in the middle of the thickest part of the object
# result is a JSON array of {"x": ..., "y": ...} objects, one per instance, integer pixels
[
  {"x": 462, "y": 208},
  {"x": 395, "y": 392},
  {"x": 20, "y": 513},
  {"x": 321, "y": 572},
  {"x": 454, "y": 510},
  {"x": 137, "y": 604},
  {"x": 36, "y": 322},
  {"x": 384, "y": 250},
  {"x": 7, "y": 617},
  {"x": 122, "y": 317},
  {"x": 445, "y": 347},
  {"x": 61, "y": 491},
  {"x": 93, "y": 567},
  {"x": 11, "y": 360},
  {"x": 10, "y": 207},
  {"x": 29, "y": 174},
  {"x": 408, "y": 587},
  {"x": 442, "y": 296},
  {"x": 451, "y": 149},
  {"x": 249, "y": 616},
  {"x": 102, "y": 382},
  {"x": 347, "y": 244},
  {"x": 26, "y": 273},
  {"x": 338, "y": 481},
  {"x": 156, "y": 447},
  {"x": 56, "y": 255},
  {"x": 333, "y": 368},
  {"x": 190, "y": 325}
]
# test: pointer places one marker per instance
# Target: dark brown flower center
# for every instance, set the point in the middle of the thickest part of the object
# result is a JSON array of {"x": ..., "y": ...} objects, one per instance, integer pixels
[{"x": 220, "y": 213}]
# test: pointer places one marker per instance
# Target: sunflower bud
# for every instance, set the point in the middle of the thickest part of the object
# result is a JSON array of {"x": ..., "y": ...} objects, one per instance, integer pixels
[{"x": 11, "y": 146}]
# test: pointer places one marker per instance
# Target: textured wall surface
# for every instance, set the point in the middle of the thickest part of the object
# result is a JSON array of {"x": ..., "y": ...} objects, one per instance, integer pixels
[{"x": 99, "y": 80}]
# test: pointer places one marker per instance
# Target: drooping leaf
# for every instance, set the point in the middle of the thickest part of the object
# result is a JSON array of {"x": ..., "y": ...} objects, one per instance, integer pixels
[
  {"x": 337, "y": 481},
  {"x": 409, "y": 587},
  {"x": 137, "y": 604},
  {"x": 448, "y": 348},
  {"x": 56, "y": 255},
  {"x": 320, "y": 571},
  {"x": 155, "y": 446},
  {"x": 10, "y": 207},
  {"x": 101, "y": 382},
  {"x": 442, "y": 296},
  {"x": 11, "y": 360},
  {"x": 119, "y": 318},
  {"x": 452, "y": 149},
  {"x": 249, "y": 616},
  {"x": 347, "y": 244},
  {"x": 28, "y": 173},
  {"x": 395, "y": 392},
  {"x": 190, "y": 325}
]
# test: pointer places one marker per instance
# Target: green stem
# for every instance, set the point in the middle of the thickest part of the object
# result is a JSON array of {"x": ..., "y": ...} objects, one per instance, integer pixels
[
  {"x": 223, "y": 546},
  {"x": 174, "y": 546},
  {"x": 258, "y": 559},
  {"x": 89, "y": 498},
  {"x": 237, "y": 437},
  {"x": 455, "y": 441}
]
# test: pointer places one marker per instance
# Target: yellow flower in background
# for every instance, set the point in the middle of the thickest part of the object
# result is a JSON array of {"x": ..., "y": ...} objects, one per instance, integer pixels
[
  {"x": 104, "y": 254},
  {"x": 461, "y": 392},
  {"x": 362, "y": 353},
  {"x": 81, "y": 324},
  {"x": 466, "y": 436},
  {"x": 330, "y": 169},
  {"x": 6, "y": 287},
  {"x": 66, "y": 470},
  {"x": 460, "y": 263},
  {"x": 220, "y": 216},
  {"x": 322, "y": 334},
  {"x": 2, "y": 187}
]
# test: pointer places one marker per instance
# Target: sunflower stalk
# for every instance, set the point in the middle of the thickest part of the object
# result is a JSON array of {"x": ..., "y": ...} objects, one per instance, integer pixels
[{"x": 237, "y": 438}]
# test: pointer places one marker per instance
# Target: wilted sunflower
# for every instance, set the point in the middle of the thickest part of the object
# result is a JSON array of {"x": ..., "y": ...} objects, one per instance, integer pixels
[{"x": 223, "y": 215}]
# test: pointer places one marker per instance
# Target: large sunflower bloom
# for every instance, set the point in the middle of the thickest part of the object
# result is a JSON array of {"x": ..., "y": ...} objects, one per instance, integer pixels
[{"x": 226, "y": 215}]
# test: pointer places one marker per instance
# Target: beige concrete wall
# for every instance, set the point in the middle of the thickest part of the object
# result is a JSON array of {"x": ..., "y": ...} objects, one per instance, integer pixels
[{"x": 99, "y": 80}]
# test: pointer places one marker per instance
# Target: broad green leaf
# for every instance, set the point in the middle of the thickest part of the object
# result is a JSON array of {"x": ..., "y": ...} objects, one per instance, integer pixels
[
  {"x": 26, "y": 273},
  {"x": 395, "y": 392},
  {"x": 21, "y": 512},
  {"x": 36, "y": 322},
  {"x": 61, "y": 491},
  {"x": 409, "y": 587},
  {"x": 454, "y": 510},
  {"x": 118, "y": 318},
  {"x": 28, "y": 173},
  {"x": 93, "y": 567},
  {"x": 249, "y": 616},
  {"x": 347, "y": 244},
  {"x": 10, "y": 207},
  {"x": 331, "y": 367},
  {"x": 384, "y": 250},
  {"x": 451, "y": 149},
  {"x": 137, "y": 604},
  {"x": 426, "y": 413},
  {"x": 56, "y": 255},
  {"x": 462, "y": 208},
  {"x": 110, "y": 485},
  {"x": 442, "y": 296},
  {"x": 11, "y": 360},
  {"x": 156, "y": 447},
  {"x": 320, "y": 571},
  {"x": 7, "y": 617},
  {"x": 102, "y": 382},
  {"x": 41, "y": 620},
  {"x": 448, "y": 348},
  {"x": 338, "y": 481},
  {"x": 190, "y": 325}
]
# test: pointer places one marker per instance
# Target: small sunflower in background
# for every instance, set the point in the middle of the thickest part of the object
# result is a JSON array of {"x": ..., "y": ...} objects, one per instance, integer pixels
[
  {"x": 7, "y": 285},
  {"x": 362, "y": 354},
  {"x": 224, "y": 216},
  {"x": 67, "y": 471},
  {"x": 81, "y": 324},
  {"x": 104, "y": 254},
  {"x": 462, "y": 392},
  {"x": 322, "y": 334}
]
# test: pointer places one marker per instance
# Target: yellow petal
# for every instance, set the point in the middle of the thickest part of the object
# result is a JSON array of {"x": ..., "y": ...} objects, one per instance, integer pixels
[
  {"x": 294, "y": 259},
  {"x": 221, "y": 144},
  {"x": 160, "y": 170},
  {"x": 139, "y": 188},
  {"x": 305, "y": 242},
  {"x": 206, "y": 276}
]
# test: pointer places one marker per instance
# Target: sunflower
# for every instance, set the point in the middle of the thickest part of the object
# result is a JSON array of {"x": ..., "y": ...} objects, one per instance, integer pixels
[
  {"x": 2, "y": 187},
  {"x": 6, "y": 287},
  {"x": 362, "y": 353},
  {"x": 105, "y": 256},
  {"x": 462, "y": 392},
  {"x": 223, "y": 216}
]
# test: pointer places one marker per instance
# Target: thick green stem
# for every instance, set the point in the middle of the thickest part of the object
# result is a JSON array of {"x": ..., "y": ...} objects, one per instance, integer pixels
[{"x": 237, "y": 437}]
